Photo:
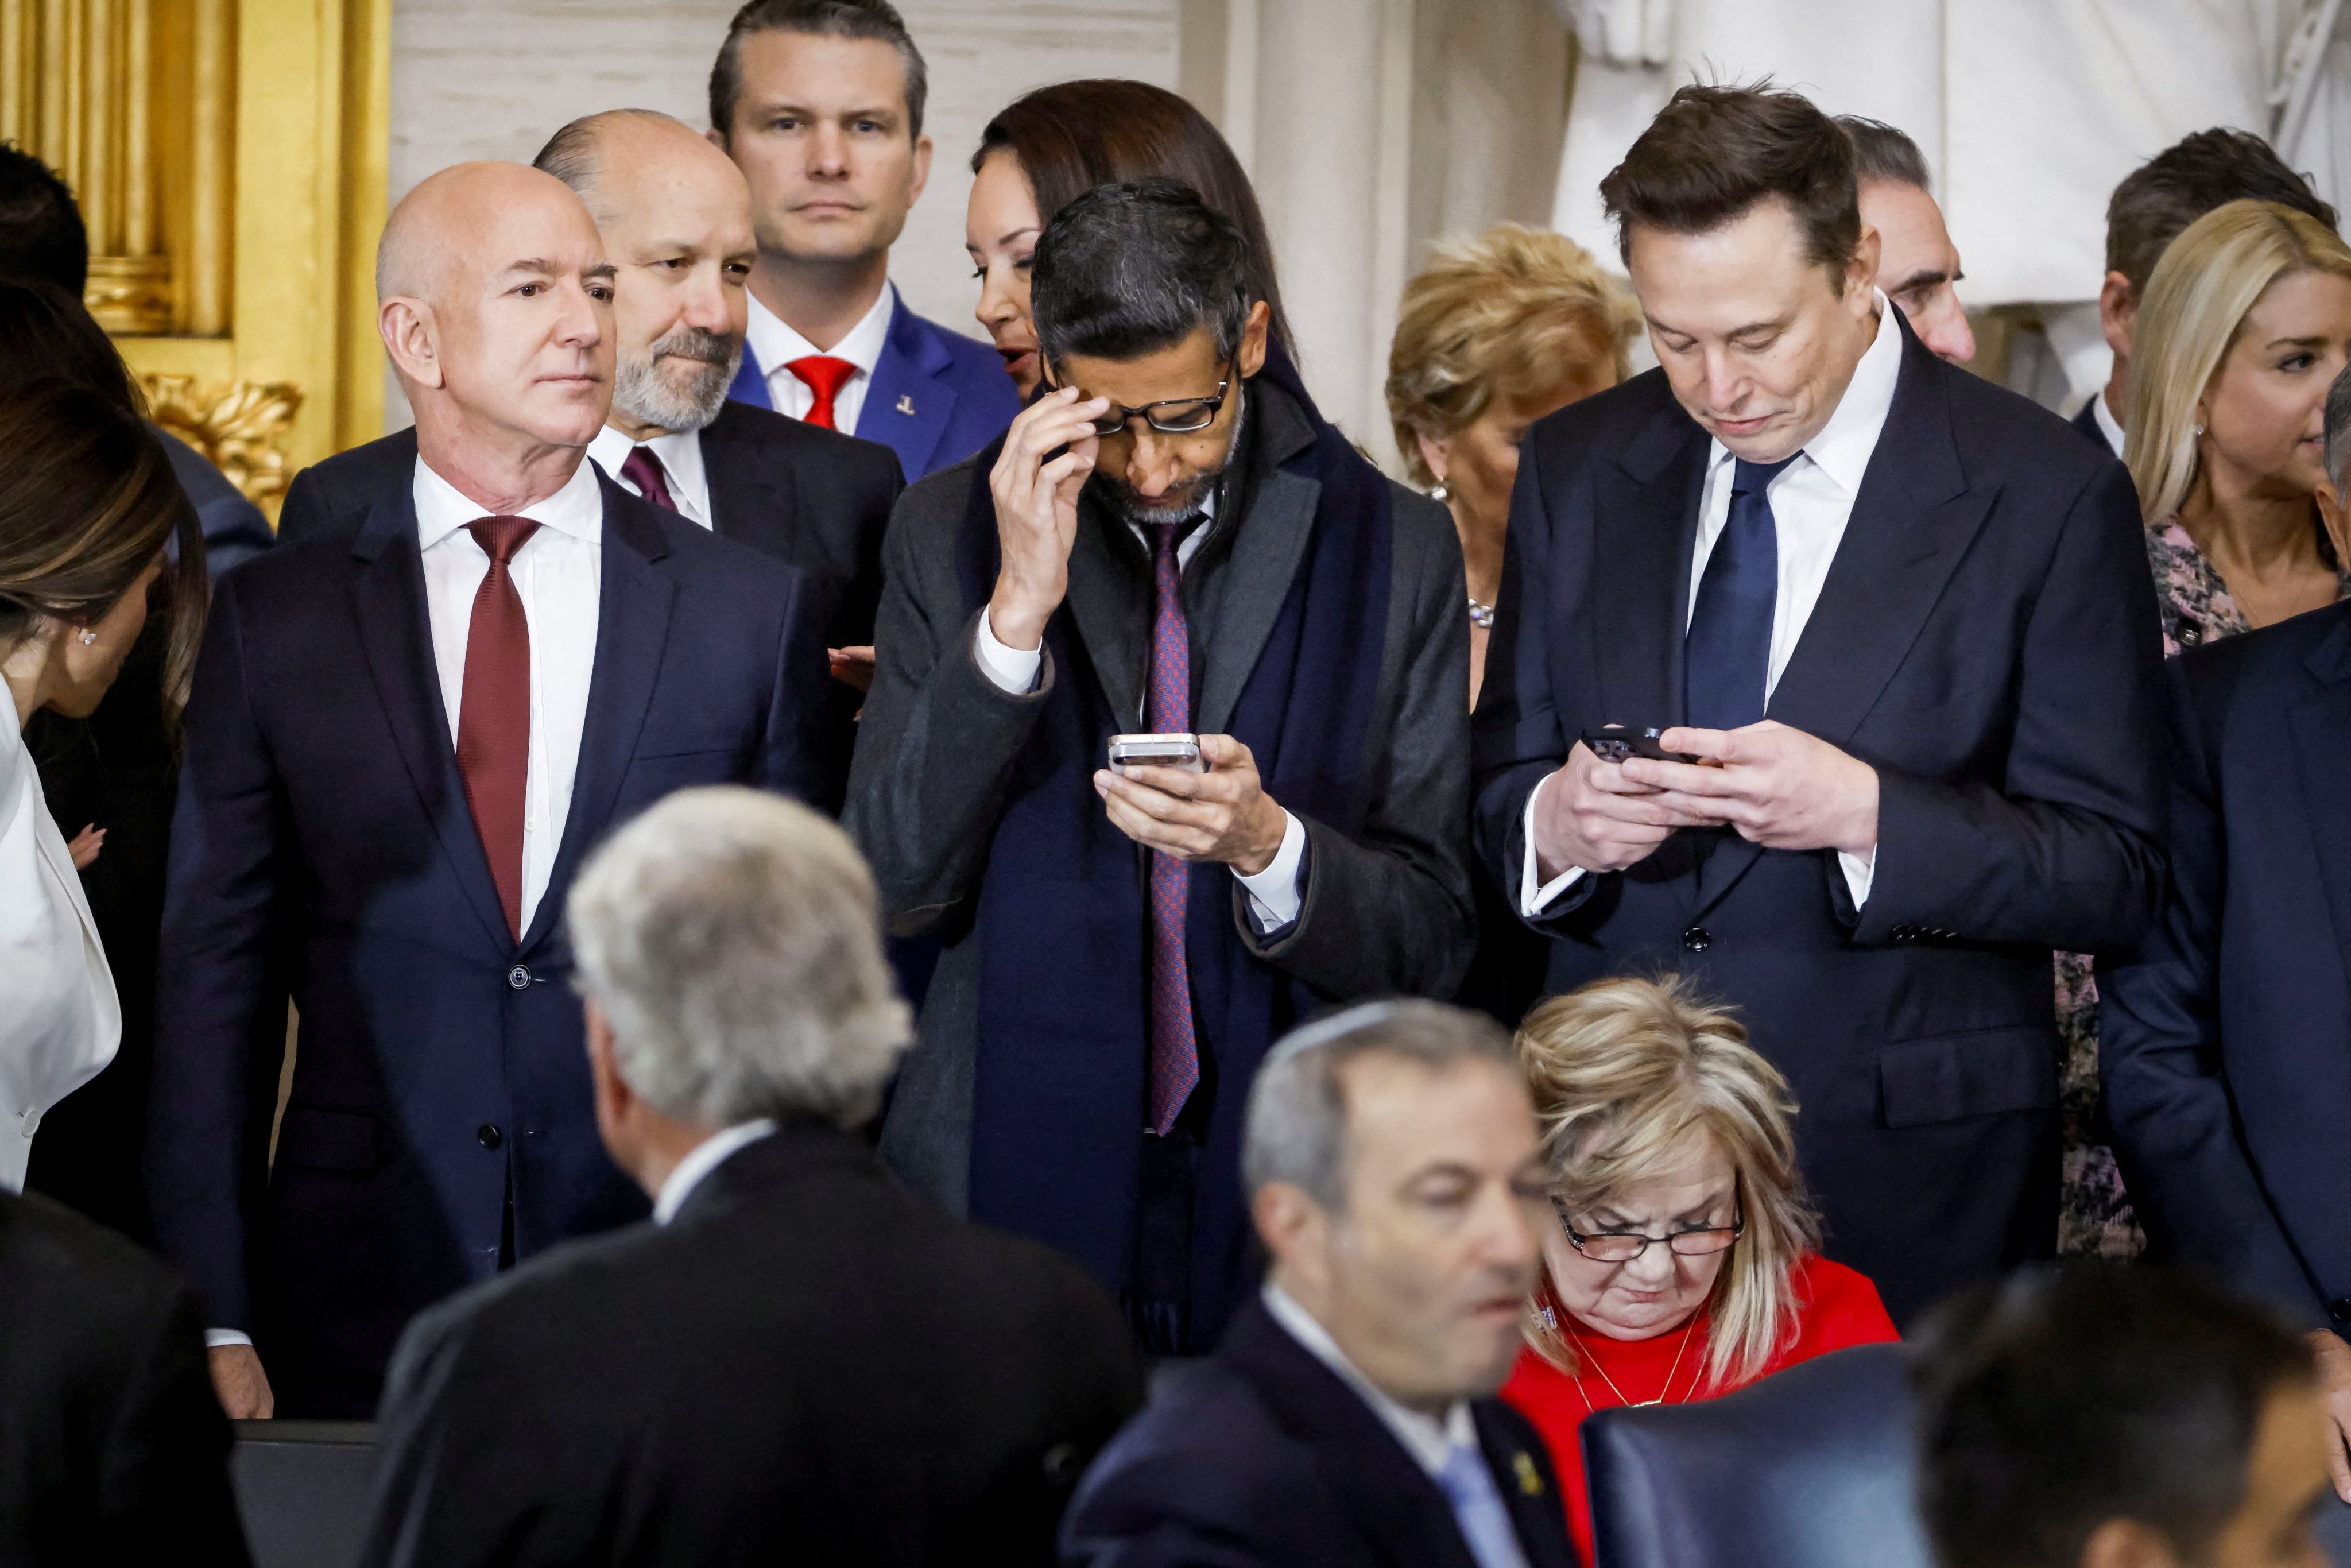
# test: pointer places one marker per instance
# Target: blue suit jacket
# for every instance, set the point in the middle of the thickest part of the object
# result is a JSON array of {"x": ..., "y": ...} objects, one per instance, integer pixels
[
  {"x": 2225, "y": 1039},
  {"x": 937, "y": 396},
  {"x": 1987, "y": 641},
  {"x": 1260, "y": 1456},
  {"x": 440, "y": 1114}
]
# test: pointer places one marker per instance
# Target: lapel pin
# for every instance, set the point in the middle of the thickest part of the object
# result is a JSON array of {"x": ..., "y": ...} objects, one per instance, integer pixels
[
  {"x": 905, "y": 403},
  {"x": 1530, "y": 1478}
]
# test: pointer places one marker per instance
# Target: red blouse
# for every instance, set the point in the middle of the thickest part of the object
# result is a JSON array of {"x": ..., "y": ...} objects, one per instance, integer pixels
[{"x": 1835, "y": 1308}]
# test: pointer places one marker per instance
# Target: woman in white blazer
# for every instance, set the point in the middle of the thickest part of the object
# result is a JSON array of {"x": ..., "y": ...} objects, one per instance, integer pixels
[{"x": 87, "y": 504}]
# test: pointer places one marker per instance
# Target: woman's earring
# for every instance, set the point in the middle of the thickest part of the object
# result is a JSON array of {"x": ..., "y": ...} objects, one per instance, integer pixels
[
  {"x": 88, "y": 638},
  {"x": 1440, "y": 493},
  {"x": 2197, "y": 429}
]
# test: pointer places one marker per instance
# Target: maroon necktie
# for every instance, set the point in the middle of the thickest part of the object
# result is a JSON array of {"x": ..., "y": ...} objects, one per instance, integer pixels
[
  {"x": 493, "y": 713},
  {"x": 643, "y": 470},
  {"x": 1167, "y": 710},
  {"x": 825, "y": 377}
]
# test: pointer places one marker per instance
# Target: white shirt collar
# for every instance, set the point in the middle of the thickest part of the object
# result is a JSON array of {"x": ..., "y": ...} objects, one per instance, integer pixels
[
  {"x": 701, "y": 1160},
  {"x": 577, "y": 509},
  {"x": 1429, "y": 1441},
  {"x": 774, "y": 343},
  {"x": 1845, "y": 443},
  {"x": 2108, "y": 425},
  {"x": 681, "y": 459}
]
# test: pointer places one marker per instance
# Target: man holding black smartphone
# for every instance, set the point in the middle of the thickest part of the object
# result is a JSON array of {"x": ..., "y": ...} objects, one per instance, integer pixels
[
  {"x": 1901, "y": 620},
  {"x": 1170, "y": 562}
]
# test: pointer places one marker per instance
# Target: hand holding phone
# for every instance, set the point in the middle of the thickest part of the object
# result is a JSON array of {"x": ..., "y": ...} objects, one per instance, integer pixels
[
  {"x": 1614, "y": 743},
  {"x": 1177, "y": 751}
]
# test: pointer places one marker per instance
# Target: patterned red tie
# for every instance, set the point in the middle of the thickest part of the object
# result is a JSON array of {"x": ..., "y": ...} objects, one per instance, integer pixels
[
  {"x": 825, "y": 377},
  {"x": 1167, "y": 710},
  {"x": 493, "y": 713},
  {"x": 643, "y": 470}
]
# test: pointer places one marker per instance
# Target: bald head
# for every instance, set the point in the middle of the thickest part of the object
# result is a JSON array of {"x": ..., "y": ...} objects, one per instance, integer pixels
[
  {"x": 494, "y": 299},
  {"x": 676, "y": 217}
]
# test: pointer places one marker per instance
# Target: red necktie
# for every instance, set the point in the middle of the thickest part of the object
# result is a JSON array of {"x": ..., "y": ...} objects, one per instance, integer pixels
[
  {"x": 1167, "y": 709},
  {"x": 825, "y": 377},
  {"x": 493, "y": 713},
  {"x": 643, "y": 470}
]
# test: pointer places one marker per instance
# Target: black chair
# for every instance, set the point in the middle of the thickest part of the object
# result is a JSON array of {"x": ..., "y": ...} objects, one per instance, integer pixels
[
  {"x": 1809, "y": 1468},
  {"x": 303, "y": 1488}
]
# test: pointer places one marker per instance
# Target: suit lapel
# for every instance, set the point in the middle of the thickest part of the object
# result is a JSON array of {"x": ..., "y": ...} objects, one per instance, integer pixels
[
  {"x": 633, "y": 613},
  {"x": 1101, "y": 598},
  {"x": 396, "y": 638},
  {"x": 1254, "y": 584},
  {"x": 750, "y": 501},
  {"x": 1645, "y": 527},
  {"x": 1533, "y": 1507},
  {"x": 1910, "y": 528},
  {"x": 907, "y": 404},
  {"x": 2322, "y": 745}
]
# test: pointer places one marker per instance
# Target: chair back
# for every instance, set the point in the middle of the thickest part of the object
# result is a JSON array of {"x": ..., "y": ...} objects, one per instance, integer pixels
[
  {"x": 303, "y": 1488},
  {"x": 1810, "y": 1468}
]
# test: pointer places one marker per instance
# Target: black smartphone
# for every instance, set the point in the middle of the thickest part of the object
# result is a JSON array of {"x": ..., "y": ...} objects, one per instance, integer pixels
[{"x": 1616, "y": 745}]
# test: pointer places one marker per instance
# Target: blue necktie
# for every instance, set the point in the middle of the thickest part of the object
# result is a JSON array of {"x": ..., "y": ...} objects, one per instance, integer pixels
[
  {"x": 1727, "y": 660},
  {"x": 1478, "y": 1509}
]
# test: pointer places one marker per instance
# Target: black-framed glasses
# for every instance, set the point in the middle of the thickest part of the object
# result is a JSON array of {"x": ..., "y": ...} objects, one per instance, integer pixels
[
  {"x": 1168, "y": 416},
  {"x": 1623, "y": 1246}
]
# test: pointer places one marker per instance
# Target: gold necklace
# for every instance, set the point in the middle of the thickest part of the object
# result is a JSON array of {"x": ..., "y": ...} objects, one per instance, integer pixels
[{"x": 1665, "y": 1389}]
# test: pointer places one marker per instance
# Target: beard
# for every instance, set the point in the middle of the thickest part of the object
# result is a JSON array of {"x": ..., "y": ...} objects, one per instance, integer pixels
[
  {"x": 1181, "y": 503},
  {"x": 650, "y": 389}
]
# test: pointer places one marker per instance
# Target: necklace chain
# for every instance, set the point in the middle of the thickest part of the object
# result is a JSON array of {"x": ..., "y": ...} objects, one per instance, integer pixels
[{"x": 1663, "y": 1392}]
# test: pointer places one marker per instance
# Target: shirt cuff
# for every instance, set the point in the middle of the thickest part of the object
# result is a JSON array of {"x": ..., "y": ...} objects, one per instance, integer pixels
[
  {"x": 216, "y": 1338},
  {"x": 1010, "y": 669},
  {"x": 1532, "y": 898},
  {"x": 1275, "y": 893},
  {"x": 1860, "y": 871}
]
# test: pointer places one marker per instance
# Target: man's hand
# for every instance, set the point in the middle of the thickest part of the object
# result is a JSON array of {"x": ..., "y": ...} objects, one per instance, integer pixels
[
  {"x": 1779, "y": 787},
  {"x": 242, "y": 1387},
  {"x": 1223, "y": 814},
  {"x": 851, "y": 666},
  {"x": 1037, "y": 512},
  {"x": 86, "y": 845},
  {"x": 2333, "y": 1359},
  {"x": 1594, "y": 816}
]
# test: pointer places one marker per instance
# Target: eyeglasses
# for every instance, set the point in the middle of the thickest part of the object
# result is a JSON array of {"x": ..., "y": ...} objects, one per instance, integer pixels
[
  {"x": 1623, "y": 1246},
  {"x": 1169, "y": 416}
]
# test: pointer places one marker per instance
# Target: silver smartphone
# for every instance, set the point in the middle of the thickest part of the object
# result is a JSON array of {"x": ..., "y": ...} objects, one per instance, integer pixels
[{"x": 1155, "y": 751}]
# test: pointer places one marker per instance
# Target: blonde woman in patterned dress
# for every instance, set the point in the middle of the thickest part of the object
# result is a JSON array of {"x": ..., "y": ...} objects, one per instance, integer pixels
[{"x": 2245, "y": 323}]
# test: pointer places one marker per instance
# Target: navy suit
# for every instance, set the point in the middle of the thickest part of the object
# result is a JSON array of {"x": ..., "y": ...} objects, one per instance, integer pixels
[
  {"x": 1987, "y": 641},
  {"x": 937, "y": 396},
  {"x": 1261, "y": 1456},
  {"x": 2226, "y": 1037},
  {"x": 440, "y": 1118}
]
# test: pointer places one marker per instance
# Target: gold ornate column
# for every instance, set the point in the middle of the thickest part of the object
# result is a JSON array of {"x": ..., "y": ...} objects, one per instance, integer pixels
[{"x": 230, "y": 160}]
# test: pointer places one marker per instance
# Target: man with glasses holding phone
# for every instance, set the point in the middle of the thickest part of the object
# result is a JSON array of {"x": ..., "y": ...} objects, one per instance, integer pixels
[{"x": 1165, "y": 746}]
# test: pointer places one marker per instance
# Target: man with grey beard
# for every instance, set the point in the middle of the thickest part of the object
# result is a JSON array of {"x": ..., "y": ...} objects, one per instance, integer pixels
[
  {"x": 1170, "y": 539},
  {"x": 675, "y": 218}
]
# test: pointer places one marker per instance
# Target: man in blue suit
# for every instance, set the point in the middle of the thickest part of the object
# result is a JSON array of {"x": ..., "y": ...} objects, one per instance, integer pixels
[
  {"x": 820, "y": 104},
  {"x": 1349, "y": 1418},
  {"x": 406, "y": 730}
]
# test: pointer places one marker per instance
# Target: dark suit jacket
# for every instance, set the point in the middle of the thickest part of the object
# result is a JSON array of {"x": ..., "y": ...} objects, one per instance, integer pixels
[
  {"x": 937, "y": 396},
  {"x": 814, "y": 498},
  {"x": 440, "y": 1107},
  {"x": 112, "y": 1449},
  {"x": 2085, "y": 420},
  {"x": 1386, "y": 912},
  {"x": 234, "y": 529},
  {"x": 1261, "y": 1456},
  {"x": 1987, "y": 641},
  {"x": 808, "y": 1365},
  {"x": 2225, "y": 1039}
]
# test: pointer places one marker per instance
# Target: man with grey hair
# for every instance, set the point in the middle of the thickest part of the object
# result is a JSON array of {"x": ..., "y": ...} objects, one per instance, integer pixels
[
  {"x": 1917, "y": 264},
  {"x": 1348, "y": 1417},
  {"x": 796, "y": 1361},
  {"x": 2225, "y": 1036},
  {"x": 675, "y": 218}
]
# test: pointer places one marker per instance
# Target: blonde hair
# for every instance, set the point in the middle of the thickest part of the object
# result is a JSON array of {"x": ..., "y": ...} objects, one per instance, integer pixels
[
  {"x": 2195, "y": 304},
  {"x": 1514, "y": 311},
  {"x": 1622, "y": 1072}
]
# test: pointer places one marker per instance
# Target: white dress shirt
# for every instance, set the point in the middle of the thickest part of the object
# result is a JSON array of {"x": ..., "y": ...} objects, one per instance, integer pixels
[
  {"x": 681, "y": 459},
  {"x": 701, "y": 1160},
  {"x": 1429, "y": 1441},
  {"x": 1811, "y": 500},
  {"x": 1275, "y": 894},
  {"x": 2108, "y": 425},
  {"x": 773, "y": 345},
  {"x": 559, "y": 574},
  {"x": 59, "y": 1020}
]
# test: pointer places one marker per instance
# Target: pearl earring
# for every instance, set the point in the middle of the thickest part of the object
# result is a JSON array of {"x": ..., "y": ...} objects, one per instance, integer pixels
[
  {"x": 1440, "y": 493},
  {"x": 2197, "y": 428},
  {"x": 88, "y": 638}
]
